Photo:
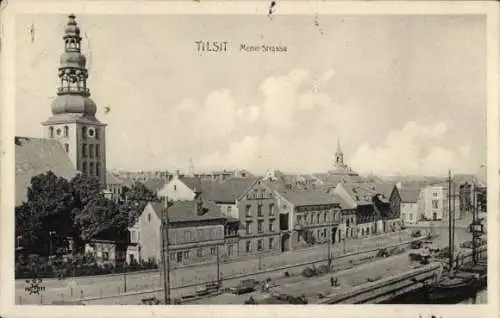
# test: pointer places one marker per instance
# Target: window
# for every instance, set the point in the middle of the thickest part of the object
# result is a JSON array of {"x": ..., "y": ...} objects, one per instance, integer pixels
[
  {"x": 84, "y": 167},
  {"x": 98, "y": 151},
  {"x": 175, "y": 187},
  {"x": 271, "y": 209},
  {"x": 324, "y": 232},
  {"x": 51, "y": 132},
  {"x": 435, "y": 204},
  {"x": 410, "y": 217},
  {"x": 91, "y": 151},
  {"x": 312, "y": 218},
  {"x": 324, "y": 217},
  {"x": 179, "y": 257},
  {"x": 259, "y": 210},
  {"x": 260, "y": 226},
  {"x": 271, "y": 226},
  {"x": 105, "y": 256},
  {"x": 199, "y": 252},
  {"x": 66, "y": 147},
  {"x": 97, "y": 134},
  {"x": 186, "y": 255},
  {"x": 229, "y": 249},
  {"x": 91, "y": 166},
  {"x": 132, "y": 236},
  {"x": 228, "y": 209},
  {"x": 149, "y": 217},
  {"x": 247, "y": 210},
  {"x": 271, "y": 241},
  {"x": 84, "y": 132},
  {"x": 248, "y": 228},
  {"x": 248, "y": 246},
  {"x": 66, "y": 131},
  {"x": 305, "y": 218},
  {"x": 435, "y": 194},
  {"x": 84, "y": 150},
  {"x": 212, "y": 251},
  {"x": 259, "y": 245},
  {"x": 317, "y": 218},
  {"x": 97, "y": 169}
]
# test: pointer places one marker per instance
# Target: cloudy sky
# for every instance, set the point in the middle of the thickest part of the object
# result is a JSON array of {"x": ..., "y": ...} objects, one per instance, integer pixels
[{"x": 405, "y": 94}]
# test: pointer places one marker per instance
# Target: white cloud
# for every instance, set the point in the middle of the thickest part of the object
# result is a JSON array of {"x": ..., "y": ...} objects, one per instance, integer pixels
[{"x": 414, "y": 149}]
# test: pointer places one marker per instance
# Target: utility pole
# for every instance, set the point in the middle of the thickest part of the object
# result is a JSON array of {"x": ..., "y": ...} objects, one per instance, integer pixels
[
  {"x": 164, "y": 253},
  {"x": 453, "y": 216},
  {"x": 218, "y": 265},
  {"x": 450, "y": 237},
  {"x": 330, "y": 245},
  {"x": 473, "y": 227}
]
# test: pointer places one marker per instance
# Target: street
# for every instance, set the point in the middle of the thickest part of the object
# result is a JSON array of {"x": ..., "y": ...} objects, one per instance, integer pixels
[{"x": 97, "y": 286}]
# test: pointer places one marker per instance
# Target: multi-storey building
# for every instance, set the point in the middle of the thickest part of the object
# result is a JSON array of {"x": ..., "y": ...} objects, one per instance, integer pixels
[
  {"x": 410, "y": 198},
  {"x": 197, "y": 233},
  {"x": 307, "y": 218}
]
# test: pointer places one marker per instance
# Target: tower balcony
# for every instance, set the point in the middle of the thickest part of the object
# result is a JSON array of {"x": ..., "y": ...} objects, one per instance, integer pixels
[{"x": 78, "y": 90}]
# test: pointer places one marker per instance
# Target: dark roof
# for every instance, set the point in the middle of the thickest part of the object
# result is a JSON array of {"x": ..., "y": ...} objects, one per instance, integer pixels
[
  {"x": 184, "y": 211},
  {"x": 384, "y": 188},
  {"x": 409, "y": 195},
  {"x": 154, "y": 184},
  {"x": 193, "y": 183},
  {"x": 333, "y": 177},
  {"x": 308, "y": 197},
  {"x": 228, "y": 190},
  {"x": 34, "y": 156}
]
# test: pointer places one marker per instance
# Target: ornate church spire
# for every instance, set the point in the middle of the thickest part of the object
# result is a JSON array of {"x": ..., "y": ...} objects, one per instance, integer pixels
[{"x": 73, "y": 94}]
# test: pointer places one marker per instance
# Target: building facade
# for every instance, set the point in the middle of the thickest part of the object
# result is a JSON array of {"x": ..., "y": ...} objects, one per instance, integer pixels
[
  {"x": 258, "y": 215},
  {"x": 312, "y": 217},
  {"x": 409, "y": 205},
  {"x": 197, "y": 233}
]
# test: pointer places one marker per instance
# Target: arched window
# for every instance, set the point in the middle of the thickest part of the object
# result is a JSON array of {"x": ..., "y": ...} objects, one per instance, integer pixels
[
  {"x": 66, "y": 131},
  {"x": 51, "y": 132}
]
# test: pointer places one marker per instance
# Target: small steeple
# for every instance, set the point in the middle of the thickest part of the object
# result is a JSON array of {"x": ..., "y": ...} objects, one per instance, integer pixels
[{"x": 339, "y": 155}]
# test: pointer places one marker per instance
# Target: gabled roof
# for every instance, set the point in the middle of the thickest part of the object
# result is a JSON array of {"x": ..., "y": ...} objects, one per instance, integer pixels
[
  {"x": 384, "y": 188},
  {"x": 184, "y": 211},
  {"x": 409, "y": 195},
  {"x": 228, "y": 190},
  {"x": 308, "y": 197},
  {"x": 360, "y": 193},
  {"x": 34, "y": 156},
  {"x": 154, "y": 184},
  {"x": 193, "y": 183},
  {"x": 112, "y": 179}
]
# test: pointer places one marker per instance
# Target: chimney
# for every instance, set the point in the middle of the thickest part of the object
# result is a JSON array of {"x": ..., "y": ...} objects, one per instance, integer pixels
[{"x": 198, "y": 204}]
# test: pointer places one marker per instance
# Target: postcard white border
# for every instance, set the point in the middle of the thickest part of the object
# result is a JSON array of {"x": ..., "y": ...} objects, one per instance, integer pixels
[{"x": 7, "y": 170}]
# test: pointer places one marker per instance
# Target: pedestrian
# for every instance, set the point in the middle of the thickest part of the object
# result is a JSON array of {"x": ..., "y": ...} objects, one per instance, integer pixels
[{"x": 332, "y": 281}]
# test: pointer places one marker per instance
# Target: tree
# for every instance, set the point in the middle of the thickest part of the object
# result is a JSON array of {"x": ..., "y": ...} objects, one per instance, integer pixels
[
  {"x": 47, "y": 209},
  {"x": 134, "y": 200},
  {"x": 96, "y": 217}
]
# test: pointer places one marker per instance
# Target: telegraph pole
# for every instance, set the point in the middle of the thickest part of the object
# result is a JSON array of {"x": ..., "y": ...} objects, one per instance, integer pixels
[
  {"x": 453, "y": 216},
  {"x": 164, "y": 254},
  {"x": 450, "y": 235},
  {"x": 473, "y": 227},
  {"x": 330, "y": 246}
]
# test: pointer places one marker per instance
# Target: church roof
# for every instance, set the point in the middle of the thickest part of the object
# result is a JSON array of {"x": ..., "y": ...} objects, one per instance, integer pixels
[{"x": 34, "y": 156}]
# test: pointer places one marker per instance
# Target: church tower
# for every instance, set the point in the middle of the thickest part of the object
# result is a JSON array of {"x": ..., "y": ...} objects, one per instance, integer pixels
[
  {"x": 73, "y": 120},
  {"x": 339, "y": 156}
]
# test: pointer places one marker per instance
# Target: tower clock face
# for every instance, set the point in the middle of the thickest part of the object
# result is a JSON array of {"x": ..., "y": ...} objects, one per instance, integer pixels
[{"x": 91, "y": 132}]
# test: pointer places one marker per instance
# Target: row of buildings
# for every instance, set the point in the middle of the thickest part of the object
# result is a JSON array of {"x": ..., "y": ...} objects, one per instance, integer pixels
[{"x": 219, "y": 215}]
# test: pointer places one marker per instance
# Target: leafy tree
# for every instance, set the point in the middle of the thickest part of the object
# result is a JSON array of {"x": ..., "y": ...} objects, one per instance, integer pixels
[
  {"x": 95, "y": 217},
  {"x": 134, "y": 201},
  {"x": 47, "y": 209}
]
